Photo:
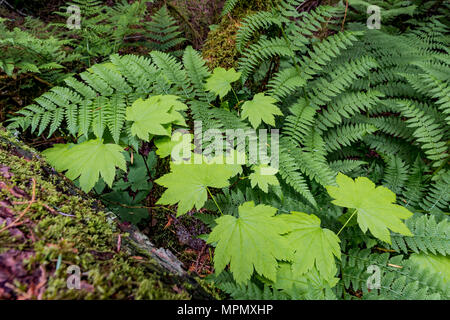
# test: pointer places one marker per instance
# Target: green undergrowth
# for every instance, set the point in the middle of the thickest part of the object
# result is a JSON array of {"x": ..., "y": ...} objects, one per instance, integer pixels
[{"x": 89, "y": 239}]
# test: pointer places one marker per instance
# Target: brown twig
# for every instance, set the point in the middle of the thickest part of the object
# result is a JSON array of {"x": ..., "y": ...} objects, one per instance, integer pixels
[
  {"x": 119, "y": 242},
  {"x": 345, "y": 15},
  {"x": 384, "y": 250},
  {"x": 16, "y": 222}
]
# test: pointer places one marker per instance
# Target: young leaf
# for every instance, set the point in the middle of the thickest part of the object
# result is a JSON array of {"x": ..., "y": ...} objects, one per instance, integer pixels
[
  {"x": 186, "y": 183},
  {"x": 87, "y": 160},
  {"x": 152, "y": 116},
  {"x": 251, "y": 242},
  {"x": 220, "y": 81},
  {"x": 165, "y": 145},
  {"x": 257, "y": 178},
  {"x": 261, "y": 108},
  {"x": 374, "y": 206},
  {"x": 314, "y": 247}
]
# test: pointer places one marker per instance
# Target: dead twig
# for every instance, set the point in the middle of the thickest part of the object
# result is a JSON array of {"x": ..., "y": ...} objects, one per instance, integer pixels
[
  {"x": 345, "y": 15},
  {"x": 16, "y": 222}
]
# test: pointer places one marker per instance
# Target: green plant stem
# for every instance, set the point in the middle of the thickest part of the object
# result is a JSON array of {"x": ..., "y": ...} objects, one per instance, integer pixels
[
  {"x": 146, "y": 166},
  {"x": 235, "y": 95},
  {"x": 214, "y": 199},
  {"x": 346, "y": 222}
]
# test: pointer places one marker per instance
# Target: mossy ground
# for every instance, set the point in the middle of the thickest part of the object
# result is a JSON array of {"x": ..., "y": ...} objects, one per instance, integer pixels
[
  {"x": 46, "y": 241},
  {"x": 219, "y": 49}
]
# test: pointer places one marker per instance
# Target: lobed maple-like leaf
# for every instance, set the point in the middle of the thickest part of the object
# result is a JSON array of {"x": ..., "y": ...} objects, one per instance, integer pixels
[
  {"x": 220, "y": 81},
  {"x": 261, "y": 108},
  {"x": 314, "y": 247},
  {"x": 187, "y": 183},
  {"x": 154, "y": 116},
  {"x": 257, "y": 178},
  {"x": 165, "y": 144},
  {"x": 253, "y": 241},
  {"x": 375, "y": 206},
  {"x": 88, "y": 160}
]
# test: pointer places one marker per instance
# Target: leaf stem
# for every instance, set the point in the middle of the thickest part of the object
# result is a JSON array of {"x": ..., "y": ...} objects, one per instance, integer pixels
[
  {"x": 235, "y": 95},
  {"x": 214, "y": 199},
  {"x": 346, "y": 222}
]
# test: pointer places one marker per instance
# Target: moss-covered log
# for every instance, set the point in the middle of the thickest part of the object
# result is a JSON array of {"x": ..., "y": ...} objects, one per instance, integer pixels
[{"x": 48, "y": 225}]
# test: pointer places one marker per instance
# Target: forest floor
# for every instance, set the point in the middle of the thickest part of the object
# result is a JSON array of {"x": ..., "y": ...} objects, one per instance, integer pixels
[{"x": 179, "y": 235}]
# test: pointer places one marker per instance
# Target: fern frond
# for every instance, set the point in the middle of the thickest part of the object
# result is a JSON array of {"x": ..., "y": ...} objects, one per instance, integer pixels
[
  {"x": 261, "y": 20},
  {"x": 164, "y": 31},
  {"x": 438, "y": 196},
  {"x": 396, "y": 173},
  {"x": 260, "y": 51},
  {"x": 197, "y": 72},
  {"x": 228, "y": 6},
  {"x": 173, "y": 71},
  {"x": 346, "y": 135},
  {"x": 426, "y": 131},
  {"x": 290, "y": 170},
  {"x": 429, "y": 236}
]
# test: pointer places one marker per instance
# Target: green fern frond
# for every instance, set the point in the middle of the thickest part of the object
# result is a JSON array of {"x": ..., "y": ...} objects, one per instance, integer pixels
[
  {"x": 426, "y": 131},
  {"x": 260, "y": 51},
  {"x": 429, "y": 236},
  {"x": 438, "y": 196},
  {"x": 163, "y": 31},
  {"x": 346, "y": 135}
]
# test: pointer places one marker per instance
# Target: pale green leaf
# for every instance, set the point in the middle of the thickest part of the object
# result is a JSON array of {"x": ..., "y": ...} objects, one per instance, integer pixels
[
  {"x": 187, "y": 183},
  {"x": 251, "y": 242},
  {"x": 375, "y": 206},
  {"x": 154, "y": 116},
  {"x": 314, "y": 247},
  {"x": 262, "y": 176},
  {"x": 220, "y": 81},
  {"x": 261, "y": 108},
  {"x": 165, "y": 144},
  {"x": 88, "y": 161}
]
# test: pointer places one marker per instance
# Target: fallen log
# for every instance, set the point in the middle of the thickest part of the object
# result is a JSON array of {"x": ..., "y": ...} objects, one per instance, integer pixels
[{"x": 57, "y": 242}]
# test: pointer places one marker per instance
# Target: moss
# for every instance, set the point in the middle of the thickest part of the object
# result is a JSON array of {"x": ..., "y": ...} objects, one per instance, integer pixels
[
  {"x": 87, "y": 239},
  {"x": 219, "y": 49}
]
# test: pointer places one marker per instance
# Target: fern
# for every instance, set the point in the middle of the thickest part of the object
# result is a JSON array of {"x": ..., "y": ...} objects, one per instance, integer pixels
[
  {"x": 438, "y": 195},
  {"x": 98, "y": 101},
  {"x": 426, "y": 132},
  {"x": 399, "y": 279},
  {"x": 228, "y": 6},
  {"x": 23, "y": 52},
  {"x": 429, "y": 236},
  {"x": 164, "y": 32}
]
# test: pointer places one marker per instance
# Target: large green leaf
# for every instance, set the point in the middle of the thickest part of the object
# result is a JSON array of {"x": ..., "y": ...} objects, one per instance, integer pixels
[
  {"x": 87, "y": 160},
  {"x": 374, "y": 206},
  {"x": 187, "y": 183},
  {"x": 251, "y": 242},
  {"x": 165, "y": 144},
  {"x": 261, "y": 108},
  {"x": 258, "y": 178},
  {"x": 154, "y": 116},
  {"x": 315, "y": 248},
  {"x": 220, "y": 81}
]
